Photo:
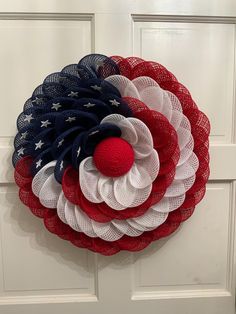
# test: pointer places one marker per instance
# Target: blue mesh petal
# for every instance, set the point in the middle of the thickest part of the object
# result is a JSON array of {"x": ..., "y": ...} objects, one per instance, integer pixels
[
  {"x": 64, "y": 139},
  {"x": 100, "y": 64},
  {"x": 71, "y": 69},
  {"x": 63, "y": 161},
  {"x": 41, "y": 160},
  {"x": 70, "y": 118}
]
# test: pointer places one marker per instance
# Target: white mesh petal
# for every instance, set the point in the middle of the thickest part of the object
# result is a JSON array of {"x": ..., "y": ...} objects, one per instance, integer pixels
[
  {"x": 157, "y": 99},
  {"x": 143, "y": 82},
  {"x": 61, "y": 207},
  {"x": 188, "y": 183},
  {"x": 168, "y": 204},
  {"x": 42, "y": 176},
  {"x": 138, "y": 177},
  {"x": 128, "y": 131},
  {"x": 146, "y": 86},
  {"x": 70, "y": 216},
  {"x": 106, "y": 231},
  {"x": 50, "y": 192},
  {"x": 141, "y": 196},
  {"x": 129, "y": 196},
  {"x": 185, "y": 124},
  {"x": 144, "y": 145},
  {"x": 151, "y": 164},
  {"x": 176, "y": 202},
  {"x": 175, "y": 103},
  {"x": 184, "y": 132},
  {"x": 188, "y": 168},
  {"x": 84, "y": 222},
  {"x": 131, "y": 232},
  {"x": 150, "y": 92},
  {"x": 105, "y": 187},
  {"x": 125, "y": 228},
  {"x": 167, "y": 106},
  {"x": 153, "y": 98},
  {"x": 124, "y": 192},
  {"x": 186, "y": 152},
  {"x": 136, "y": 226},
  {"x": 121, "y": 225},
  {"x": 176, "y": 119},
  {"x": 152, "y": 219},
  {"x": 114, "y": 118},
  {"x": 133, "y": 131},
  {"x": 175, "y": 189},
  {"x": 179, "y": 187},
  {"x": 89, "y": 176},
  {"x": 184, "y": 136},
  {"x": 124, "y": 85}
]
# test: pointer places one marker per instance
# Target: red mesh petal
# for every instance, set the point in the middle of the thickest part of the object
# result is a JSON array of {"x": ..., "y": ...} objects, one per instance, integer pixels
[
  {"x": 154, "y": 70},
  {"x": 22, "y": 172},
  {"x": 201, "y": 126},
  {"x": 181, "y": 92},
  {"x": 126, "y": 65},
  {"x": 135, "y": 243},
  {"x": 53, "y": 223},
  {"x": 29, "y": 199},
  {"x": 70, "y": 185},
  {"x": 103, "y": 247},
  {"x": 93, "y": 210}
]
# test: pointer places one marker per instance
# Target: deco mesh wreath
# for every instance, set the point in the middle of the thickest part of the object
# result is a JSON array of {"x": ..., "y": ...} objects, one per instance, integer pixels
[{"x": 112, "y": 153}]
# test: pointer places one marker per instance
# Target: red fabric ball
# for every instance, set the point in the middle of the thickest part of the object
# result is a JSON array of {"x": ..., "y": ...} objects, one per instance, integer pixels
[{"x": 113, "y": 157}]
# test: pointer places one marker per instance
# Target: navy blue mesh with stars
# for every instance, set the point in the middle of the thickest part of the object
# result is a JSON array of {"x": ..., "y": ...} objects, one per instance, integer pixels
[{"x": 61, "y": 121}]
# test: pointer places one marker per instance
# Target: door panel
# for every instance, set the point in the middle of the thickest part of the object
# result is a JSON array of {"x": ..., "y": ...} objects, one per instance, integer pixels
[
  {"x": 191, "y": 271},
  {"x": 201, "y": 56},
  {"x": 194, "y": 258}
]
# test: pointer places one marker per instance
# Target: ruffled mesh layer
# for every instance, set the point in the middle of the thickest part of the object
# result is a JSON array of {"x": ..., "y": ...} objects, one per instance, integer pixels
[
  {"x": 181, "y": 143},
  {"x": 55, "y": 225}
]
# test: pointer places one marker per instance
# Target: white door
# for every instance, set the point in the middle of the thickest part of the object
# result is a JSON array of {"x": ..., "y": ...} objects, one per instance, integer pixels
[{"x": 192, "y": 272}]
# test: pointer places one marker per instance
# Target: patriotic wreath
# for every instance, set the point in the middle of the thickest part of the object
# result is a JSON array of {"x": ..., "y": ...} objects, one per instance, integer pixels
[{"x": 112, "y": 153}]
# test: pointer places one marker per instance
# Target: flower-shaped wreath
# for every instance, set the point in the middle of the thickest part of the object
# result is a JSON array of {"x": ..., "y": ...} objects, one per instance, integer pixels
[{"x": 112, "y": 153}]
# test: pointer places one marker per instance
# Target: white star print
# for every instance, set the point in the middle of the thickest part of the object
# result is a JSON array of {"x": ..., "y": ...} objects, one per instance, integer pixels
[
  {"x": 44, "y": 124},
  {"x": 70, "y": 119},
  {"x": 38, "y": 163},
  {"x": 88, "y": 105},
  {"x": 78, "y": 151},
  {"x": 96, "y": 87},
  {"x": 94, "y": 132},
  {"x": 56, "y": 106},
  {"x": 60, "y": 142},
  {"x": 114, "y": 102},
  {"x": 61, "y": 165},
  {"x": 73, "y": 94},
  {"x": 37, "y": 100},
  {"x": 28, "y": 117},
  {"x": 20, "y": 151},
  {"x": 24, "y": 135},
  {"x": 39, "y": 145}
]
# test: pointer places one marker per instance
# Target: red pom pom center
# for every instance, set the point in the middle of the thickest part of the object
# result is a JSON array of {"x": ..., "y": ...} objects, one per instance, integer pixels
[{"x": 113, "y": 157}]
